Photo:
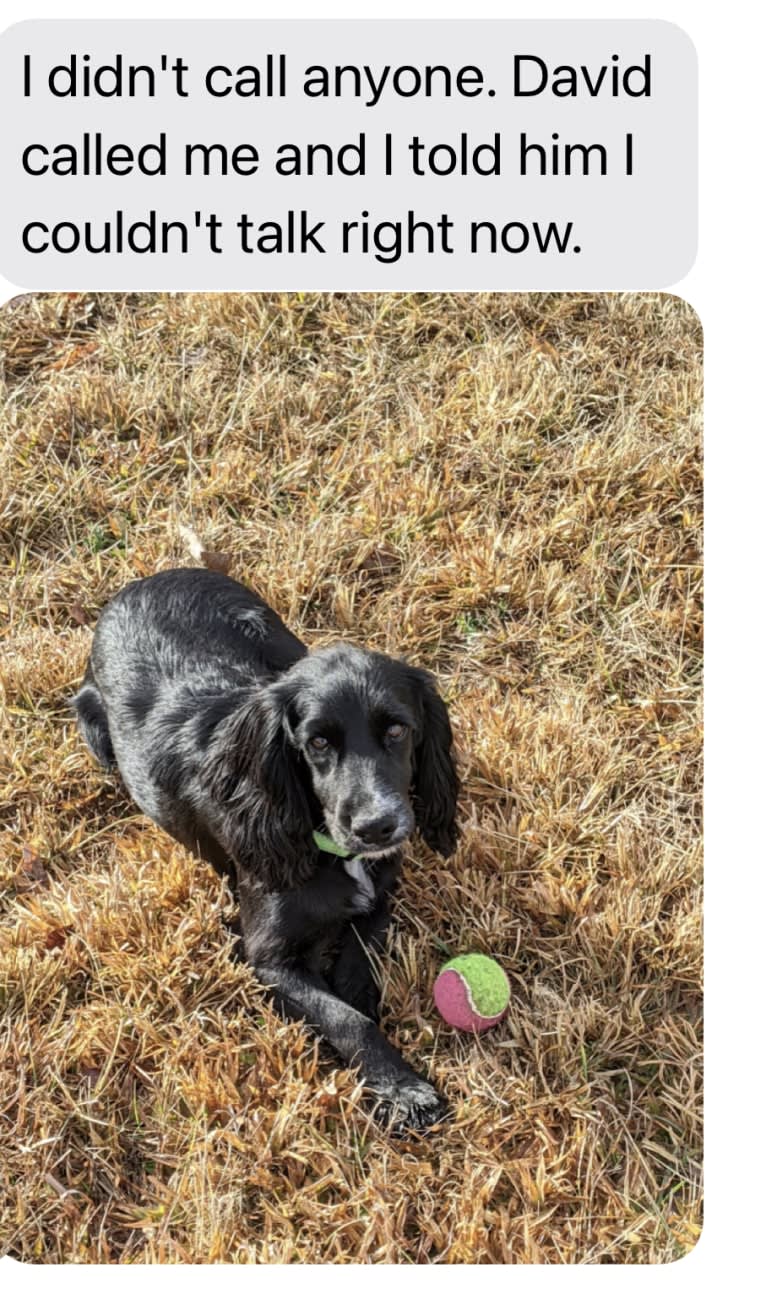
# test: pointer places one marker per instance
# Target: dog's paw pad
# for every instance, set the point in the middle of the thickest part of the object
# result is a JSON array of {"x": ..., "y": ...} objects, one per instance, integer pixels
[{"x": 412, "y": 1105}]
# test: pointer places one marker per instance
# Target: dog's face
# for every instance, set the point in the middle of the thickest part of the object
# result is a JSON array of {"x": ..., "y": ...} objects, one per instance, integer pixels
[
  {"x": 373, "y": 742},
  {"x": 355, "y": 719}
]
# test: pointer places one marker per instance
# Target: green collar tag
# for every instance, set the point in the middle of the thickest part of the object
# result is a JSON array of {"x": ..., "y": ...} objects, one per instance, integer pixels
[{"x": 328, "y": 845}]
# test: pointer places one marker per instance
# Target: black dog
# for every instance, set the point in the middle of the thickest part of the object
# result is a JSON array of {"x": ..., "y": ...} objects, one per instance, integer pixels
[{"x": 297, "y": 775}]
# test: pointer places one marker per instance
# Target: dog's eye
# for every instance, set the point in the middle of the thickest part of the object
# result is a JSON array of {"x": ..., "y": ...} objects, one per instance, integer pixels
[
  {"x": 395, "y": 731},
  {"x": 318, "y": 743}
]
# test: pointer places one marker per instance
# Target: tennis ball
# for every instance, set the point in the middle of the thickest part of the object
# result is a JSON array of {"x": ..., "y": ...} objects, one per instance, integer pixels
[{"x": 472, "y": 992}]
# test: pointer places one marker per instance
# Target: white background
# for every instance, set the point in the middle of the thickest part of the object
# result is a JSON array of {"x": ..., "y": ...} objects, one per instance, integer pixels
[{"x": 725, "y": 286}]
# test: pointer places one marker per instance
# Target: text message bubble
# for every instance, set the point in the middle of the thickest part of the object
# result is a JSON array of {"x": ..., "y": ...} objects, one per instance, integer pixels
[{"x": 348, "y": 155}]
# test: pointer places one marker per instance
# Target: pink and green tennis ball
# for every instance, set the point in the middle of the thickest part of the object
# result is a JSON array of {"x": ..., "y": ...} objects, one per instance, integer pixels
[{"x": 472, "y": 992}]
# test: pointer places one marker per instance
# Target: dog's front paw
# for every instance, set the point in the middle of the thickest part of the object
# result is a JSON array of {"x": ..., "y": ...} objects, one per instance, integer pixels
[{"x": 410, "y": 1104}]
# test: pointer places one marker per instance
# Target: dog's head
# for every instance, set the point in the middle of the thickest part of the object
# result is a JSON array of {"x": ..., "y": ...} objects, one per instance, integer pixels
[
  {"x": 358, "y": 744},
  {"x": 374, "y": 740}
]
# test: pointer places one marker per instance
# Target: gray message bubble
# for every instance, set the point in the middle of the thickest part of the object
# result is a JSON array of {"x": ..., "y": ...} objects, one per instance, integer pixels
[{"x": 348, "y": 155}]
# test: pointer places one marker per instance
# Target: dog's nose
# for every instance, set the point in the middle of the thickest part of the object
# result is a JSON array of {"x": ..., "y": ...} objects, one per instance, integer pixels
[{"x": 376, "y": 831}]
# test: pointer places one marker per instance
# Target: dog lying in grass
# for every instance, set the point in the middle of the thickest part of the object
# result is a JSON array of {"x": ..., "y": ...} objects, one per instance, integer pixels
[{"x": 298, "y": 775}]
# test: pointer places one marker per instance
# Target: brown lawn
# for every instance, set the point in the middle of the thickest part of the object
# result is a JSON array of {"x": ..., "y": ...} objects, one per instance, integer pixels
[{"x": 506, "y": 490}]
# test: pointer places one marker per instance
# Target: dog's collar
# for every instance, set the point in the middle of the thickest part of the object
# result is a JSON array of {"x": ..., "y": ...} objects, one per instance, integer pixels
[{"x": 328, "y": 845}]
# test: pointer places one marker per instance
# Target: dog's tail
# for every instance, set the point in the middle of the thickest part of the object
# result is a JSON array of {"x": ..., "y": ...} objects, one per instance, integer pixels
[{"x": 92, "y": 721}]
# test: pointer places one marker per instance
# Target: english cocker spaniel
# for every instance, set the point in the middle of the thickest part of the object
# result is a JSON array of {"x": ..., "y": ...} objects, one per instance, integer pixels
[{"x": 298, "y": 775}]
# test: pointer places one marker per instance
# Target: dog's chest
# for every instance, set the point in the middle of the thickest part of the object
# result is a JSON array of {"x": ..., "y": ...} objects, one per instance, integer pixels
[{"x": 357, "y": 869}]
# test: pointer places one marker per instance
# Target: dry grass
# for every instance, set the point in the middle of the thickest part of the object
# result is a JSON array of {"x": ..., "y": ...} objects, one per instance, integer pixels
[{"x": 506, "y": 489}]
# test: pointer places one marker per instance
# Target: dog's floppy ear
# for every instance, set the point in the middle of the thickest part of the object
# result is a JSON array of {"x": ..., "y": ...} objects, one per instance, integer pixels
[
  {"x": 435, "y": 780},
  {"x": 258, "y": 779}
]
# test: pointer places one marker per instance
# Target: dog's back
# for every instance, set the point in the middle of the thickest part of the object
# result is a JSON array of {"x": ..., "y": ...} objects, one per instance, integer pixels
[
  {"x": 171, "y": 657},
  {"x": 179, "y": 623}
]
